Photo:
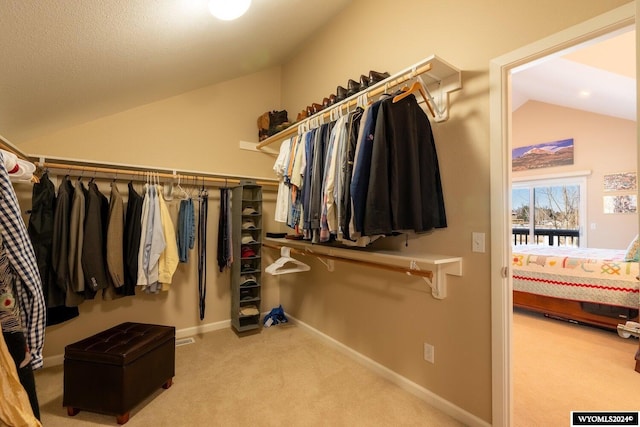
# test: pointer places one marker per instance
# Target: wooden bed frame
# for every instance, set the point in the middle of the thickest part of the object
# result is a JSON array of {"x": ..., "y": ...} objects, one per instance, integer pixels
[{"x": 564, "y": 309}]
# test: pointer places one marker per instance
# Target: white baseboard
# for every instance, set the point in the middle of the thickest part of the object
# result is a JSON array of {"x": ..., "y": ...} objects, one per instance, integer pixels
[
  {"x": 417, "y": 390},
  {"x": 58, "y": 359},
  {"x": 201, "y": 329}
]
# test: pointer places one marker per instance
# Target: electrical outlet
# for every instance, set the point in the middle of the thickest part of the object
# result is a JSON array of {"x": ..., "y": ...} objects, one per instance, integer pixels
[{"x": 429, "y": 353}]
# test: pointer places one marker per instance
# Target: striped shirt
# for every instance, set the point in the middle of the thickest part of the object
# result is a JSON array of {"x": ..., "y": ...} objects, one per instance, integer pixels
[{"x": 22, "y": 257}]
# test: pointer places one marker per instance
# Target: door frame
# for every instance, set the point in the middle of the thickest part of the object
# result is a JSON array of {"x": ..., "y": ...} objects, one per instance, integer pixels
[{"x": 500, "y": 178}]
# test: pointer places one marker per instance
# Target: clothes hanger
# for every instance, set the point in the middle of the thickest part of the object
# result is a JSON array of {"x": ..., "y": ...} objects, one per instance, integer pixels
[
  {"x": 415, "y": 87},
  {"x": 286, "y": 264},
  {"x": 182, "y": 194}
]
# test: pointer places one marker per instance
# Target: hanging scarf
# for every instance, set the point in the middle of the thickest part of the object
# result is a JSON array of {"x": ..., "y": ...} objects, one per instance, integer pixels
[
  {"x": 224, "y": 230},
  {"x": 202, "y": 249}
]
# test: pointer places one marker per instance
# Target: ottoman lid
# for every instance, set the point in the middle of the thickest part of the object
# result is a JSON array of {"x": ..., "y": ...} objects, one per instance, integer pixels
[{"x": 121, "y": 344}]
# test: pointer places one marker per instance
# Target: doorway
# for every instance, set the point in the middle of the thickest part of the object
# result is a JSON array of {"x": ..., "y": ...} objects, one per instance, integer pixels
[{"x": 500, "y": 131}]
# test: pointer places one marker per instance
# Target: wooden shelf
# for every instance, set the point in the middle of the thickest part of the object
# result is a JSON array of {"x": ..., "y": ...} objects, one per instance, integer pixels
[{"x": 431, "y": 267}]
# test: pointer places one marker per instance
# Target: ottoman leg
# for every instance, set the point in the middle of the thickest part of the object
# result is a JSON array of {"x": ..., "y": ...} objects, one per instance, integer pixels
[
  {"x": 71, "y": 411},
  {"x": 168, "y": 384},
  {"x": 122, "y": 419}
]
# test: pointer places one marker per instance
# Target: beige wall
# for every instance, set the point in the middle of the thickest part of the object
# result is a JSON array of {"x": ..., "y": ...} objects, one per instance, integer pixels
[
  {"x": 199, "y": 130},
  {"x": 603, "y": 145},
  {"x": 385, "y": 316},
  {"x": 388, "y": 317}
]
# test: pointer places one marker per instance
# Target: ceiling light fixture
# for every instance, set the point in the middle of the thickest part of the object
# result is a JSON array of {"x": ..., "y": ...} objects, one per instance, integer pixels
[{"x": 228, "y": 10}]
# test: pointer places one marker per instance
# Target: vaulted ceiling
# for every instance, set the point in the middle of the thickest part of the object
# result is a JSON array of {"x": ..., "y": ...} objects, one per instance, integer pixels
[
  {"x": 598, "y": 76},
  {"x": 66, "y": 62}
]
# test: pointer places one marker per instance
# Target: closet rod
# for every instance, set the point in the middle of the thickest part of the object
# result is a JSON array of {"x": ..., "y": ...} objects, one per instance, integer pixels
[
  {"x": 374, "y": 90},
  {"x": 141, "y": 173},
  {"x": 422, "y": 273}
]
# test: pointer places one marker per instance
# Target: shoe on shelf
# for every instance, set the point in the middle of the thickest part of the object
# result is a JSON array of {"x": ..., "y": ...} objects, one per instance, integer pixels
[
  {"x": 364, "y": 82},
  {"x": 353, "y": 87},
  {"x": 301, "y": 115},
  {"x": 341, "y": 93},
  {"x": 375, "y": 77},
  {"x": 316, "y": 108}
]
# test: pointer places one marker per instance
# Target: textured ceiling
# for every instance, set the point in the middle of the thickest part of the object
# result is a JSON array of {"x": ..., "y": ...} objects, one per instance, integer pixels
[{"x": 66, "y": 62}]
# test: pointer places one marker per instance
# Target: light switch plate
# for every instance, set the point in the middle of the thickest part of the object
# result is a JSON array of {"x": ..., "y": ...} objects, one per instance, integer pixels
[{"x": 477, "y": 242}]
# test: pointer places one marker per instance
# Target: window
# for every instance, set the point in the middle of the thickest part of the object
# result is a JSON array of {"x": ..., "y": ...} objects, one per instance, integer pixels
[{"x": 549, "y": 211}]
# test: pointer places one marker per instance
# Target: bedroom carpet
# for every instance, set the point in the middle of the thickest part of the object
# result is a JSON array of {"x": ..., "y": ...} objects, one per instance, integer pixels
[
  {"x": 559, "y": 367},
  {"x": 282, "y": 376}
]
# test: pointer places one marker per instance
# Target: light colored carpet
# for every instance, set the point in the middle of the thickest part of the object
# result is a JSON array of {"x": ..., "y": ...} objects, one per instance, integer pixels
[
  {"x": 561, "y": 367},
  {"x": 281, "y": 376}
]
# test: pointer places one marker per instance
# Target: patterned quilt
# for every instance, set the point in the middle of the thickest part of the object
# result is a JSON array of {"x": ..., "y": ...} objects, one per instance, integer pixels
[{"x": 581, "y": 274}]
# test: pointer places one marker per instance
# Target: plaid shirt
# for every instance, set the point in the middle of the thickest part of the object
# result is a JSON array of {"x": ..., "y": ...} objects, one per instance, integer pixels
[{"x": 23, "y": 259}]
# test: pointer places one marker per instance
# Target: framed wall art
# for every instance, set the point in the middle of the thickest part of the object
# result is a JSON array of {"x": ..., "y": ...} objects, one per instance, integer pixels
[
  {"x": 620, "y": 204},
  {"x": 624, "y": 181},
  {"x": 549, "y": 154}
]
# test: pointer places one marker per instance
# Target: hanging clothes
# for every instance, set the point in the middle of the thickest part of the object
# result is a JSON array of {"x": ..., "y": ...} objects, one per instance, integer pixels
[
  {"x": 23, "y": 260},
  {"x": 405, "y": 191},
  {"x": 279, "y": 167},
  {"x": 186, "y": 229},
  {"x": 154, "y": 241},
  {"x": 115, "y": 236},
  {"x": 60, "y": 253},
  {"x": 361, "y": 169},
  {"x": 347, "y": 169},
  {"x": 144, "y": 248},
  {"x": 202, "y": 250},
  {"x": 366, "y": 175},
  {"x": 114, "y": 244},
  {"x": 94, "y": 244},
  {"x": 225, "y": 249},
  {"x": 41, "y": 229},
  {"x": 317, "y": 174},
  {"x": 76, "y": 240},
  {"x": 168, "y": 261},
  {"x": 132, "y": 233},
  {"x": 310, "y": 138}
]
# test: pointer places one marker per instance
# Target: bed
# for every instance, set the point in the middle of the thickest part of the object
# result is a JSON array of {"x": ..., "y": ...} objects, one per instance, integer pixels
[{"x": 586, "y": 285}]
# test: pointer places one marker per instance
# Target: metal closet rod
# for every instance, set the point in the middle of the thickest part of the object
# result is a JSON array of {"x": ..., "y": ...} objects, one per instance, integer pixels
[
  {"x": 142, "y": 173},
  {"x": 374, "y": 90},
  {"x": 422, "y": 273}
]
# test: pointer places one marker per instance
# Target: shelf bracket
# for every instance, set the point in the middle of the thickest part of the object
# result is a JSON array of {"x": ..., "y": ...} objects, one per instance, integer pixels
[
  {"x": 438, "y": 283},
  {"x": 329, "y": 263}
]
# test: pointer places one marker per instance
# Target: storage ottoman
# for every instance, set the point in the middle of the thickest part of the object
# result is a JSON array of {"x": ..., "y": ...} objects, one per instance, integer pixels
[{"x": 113, "y": 371}]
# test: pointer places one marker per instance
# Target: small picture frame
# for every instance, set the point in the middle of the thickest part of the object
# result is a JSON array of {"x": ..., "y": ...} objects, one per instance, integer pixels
[
  {"x": 623, "y": 181},
  {"x": 620, "y": 204}
]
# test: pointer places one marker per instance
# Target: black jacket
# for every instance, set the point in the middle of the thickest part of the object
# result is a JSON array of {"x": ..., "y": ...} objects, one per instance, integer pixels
[
  {"x": 41, "y": 232},
  {"x": 405, "y": 191},
  {"x": 94, "y": 245}
]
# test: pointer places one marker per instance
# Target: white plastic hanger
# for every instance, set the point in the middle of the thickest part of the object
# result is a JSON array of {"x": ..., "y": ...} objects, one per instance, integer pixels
[{"x": 286, "y": 264}]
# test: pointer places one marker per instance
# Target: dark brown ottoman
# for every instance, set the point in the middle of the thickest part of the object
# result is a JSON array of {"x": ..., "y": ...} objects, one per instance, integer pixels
[{"x": 114, "y": 370}]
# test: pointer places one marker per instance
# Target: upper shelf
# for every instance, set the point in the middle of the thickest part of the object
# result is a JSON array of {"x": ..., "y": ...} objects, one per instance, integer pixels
[{"x": 439, "y": 77}]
